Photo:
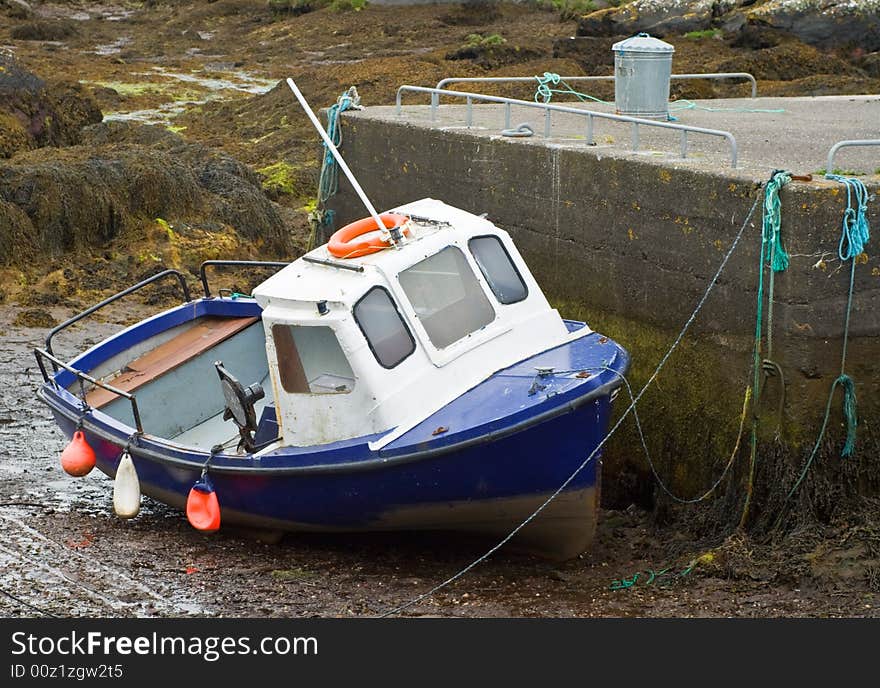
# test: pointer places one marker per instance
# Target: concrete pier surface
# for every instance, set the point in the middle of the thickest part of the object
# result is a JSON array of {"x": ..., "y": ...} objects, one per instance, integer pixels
[
  {"x": 771, "y": 133},
  {"x": 630, "y": 241}
]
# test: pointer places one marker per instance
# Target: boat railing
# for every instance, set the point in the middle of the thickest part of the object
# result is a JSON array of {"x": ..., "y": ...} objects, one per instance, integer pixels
[
  {"x": 443, "y": 83},
  {"x": 42, "y": 355},
  {"x": 125, "y": 292},
  {"x": 203, "y": 268},
  {"x": 548, "y": 108},
  {"x": 829, "y": 165}
]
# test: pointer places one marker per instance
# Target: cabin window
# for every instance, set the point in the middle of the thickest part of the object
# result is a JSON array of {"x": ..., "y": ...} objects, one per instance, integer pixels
[
  {"x": 498, "y": 269},
  {"x": 384, "y": 329},
  {"x": 446, "y": 296},
  {"x": 310, "y": 360}
]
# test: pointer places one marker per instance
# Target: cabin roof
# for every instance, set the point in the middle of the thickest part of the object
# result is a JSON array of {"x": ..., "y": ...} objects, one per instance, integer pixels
[{"x": 435, "y": 224}]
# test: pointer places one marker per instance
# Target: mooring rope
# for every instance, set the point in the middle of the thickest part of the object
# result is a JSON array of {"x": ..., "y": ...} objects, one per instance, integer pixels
[
  {"x": 328, "y": 182},
  {"x": 773, "y": 252},
  {"x": 604, "y": 440},
  {"x": 545, "y": 91},
  {"x": 855, "y": 233}
]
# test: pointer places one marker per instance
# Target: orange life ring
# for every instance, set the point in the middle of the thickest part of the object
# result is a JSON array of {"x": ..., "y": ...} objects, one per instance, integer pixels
[{"x": 342, "y": 244}]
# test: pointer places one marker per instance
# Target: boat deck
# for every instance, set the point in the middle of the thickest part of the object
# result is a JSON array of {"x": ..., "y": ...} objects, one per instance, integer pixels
[{"x": 204, "y": 335}]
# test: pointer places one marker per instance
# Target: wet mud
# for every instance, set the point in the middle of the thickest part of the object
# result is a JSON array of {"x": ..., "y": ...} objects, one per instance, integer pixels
[{"x": 64, "y": 553}]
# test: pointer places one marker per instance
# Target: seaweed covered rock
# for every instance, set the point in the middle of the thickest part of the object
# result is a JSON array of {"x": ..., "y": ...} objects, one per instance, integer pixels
[
  {"x": 824, "y": 23},
  {"x": 36, "y": 113},
  {"x": 659, "y": 17},
  {"x": 788, "y": 61},
  {"x": 16, "y": 9},
  {"x": 84, "y": 196}
]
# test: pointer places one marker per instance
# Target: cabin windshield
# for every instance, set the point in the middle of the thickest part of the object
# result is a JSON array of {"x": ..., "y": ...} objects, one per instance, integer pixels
[
  {"x": 310, "y": 360},
  {"x": 446, "y": 296},
  {"x": 498, "y": 269},
  {"x": 386, "y": 333}
]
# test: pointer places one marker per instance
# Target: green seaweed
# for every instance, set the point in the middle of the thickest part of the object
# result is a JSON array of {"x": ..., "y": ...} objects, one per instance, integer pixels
[{"x": 278, "y": 177}]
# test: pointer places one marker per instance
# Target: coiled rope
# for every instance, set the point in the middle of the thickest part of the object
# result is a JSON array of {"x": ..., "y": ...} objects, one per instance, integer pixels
[{"x": 328, "y": 182}]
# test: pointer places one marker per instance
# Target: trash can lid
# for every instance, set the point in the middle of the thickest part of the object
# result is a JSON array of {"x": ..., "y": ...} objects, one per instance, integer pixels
[{"x": 643, "y": 43}]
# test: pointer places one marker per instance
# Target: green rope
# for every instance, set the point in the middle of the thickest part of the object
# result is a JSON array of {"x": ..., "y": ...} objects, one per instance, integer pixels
[
  {"x": 771, "y": 249},
  {"x": 684, "y": 104},
  {"x": 856, "y": 231},
  {"x": 544, "y": 94},
  {"x": 855, "y": 234},
  {"x": 772, "y": 229},
  {"x": 328, "y": 182},
  {"x": 652, "y": 577}
]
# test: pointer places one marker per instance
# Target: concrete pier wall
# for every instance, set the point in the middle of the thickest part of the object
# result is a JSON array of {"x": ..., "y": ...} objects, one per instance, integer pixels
[{"x": 630, "y": 243}]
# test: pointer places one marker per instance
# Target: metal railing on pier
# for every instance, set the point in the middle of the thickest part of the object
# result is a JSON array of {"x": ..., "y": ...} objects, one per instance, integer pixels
[
  {"x": 549, "y": 108},
  {"x": 829, "y": 165},
  {"x": 443, "y": 83}
]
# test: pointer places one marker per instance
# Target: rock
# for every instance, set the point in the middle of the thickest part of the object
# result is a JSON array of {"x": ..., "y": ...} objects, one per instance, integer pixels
[
  {"x": 660, "y": 17},
  {"x": 871, "y": 65},
  {"x": 43, "y": 30},
  {"x": 16, "y": 9},
  {"x": 821, "y": 23},
  {"x": 34, "y": 317},
  {"x": 593, "y": 54},
  {"x": 124, "y": 174},
  {"x": 35, "y": 113},
  {"x": 824, "y": 23},
  {"x": 787, "y": 62}
]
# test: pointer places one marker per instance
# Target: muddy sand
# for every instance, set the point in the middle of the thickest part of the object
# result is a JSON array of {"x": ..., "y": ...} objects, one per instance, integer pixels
[{"x": 64, "y": 553}]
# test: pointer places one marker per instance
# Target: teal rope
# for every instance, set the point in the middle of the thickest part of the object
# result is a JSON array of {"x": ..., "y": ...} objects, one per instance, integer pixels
[
  {"x": 770, "y": 240},
  {"x": 772, "y": 229},
  {"x": 544, "y": 94},
  {"x": 856, "y": 231},
  {"x": 854, "y": 235},
  {"x": 684, "y": 104},
  {"x": 328, "y": 182}
]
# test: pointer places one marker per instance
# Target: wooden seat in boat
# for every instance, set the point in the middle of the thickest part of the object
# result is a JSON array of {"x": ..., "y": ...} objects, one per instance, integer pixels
[{"x": 208, "y": 332}]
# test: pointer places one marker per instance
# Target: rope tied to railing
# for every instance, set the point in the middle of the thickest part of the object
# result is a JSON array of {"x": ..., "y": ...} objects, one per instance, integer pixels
[
  {"x": 772, "y": 227},
  {"x": 856, "y": 231}
]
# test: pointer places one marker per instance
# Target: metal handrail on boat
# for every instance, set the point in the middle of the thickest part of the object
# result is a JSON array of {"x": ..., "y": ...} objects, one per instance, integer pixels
[
  {"x": 443, "y": 83},
  {"x": 82, "y": 377},
  {"x": 829, "y": 166},
  {"x": 125, "y": 292},
  {"x": 203, "y": 268},
  {"x": 548, "y": 108}
]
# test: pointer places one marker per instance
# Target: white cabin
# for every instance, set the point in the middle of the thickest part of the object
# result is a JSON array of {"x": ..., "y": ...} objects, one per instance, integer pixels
[{"x": 379, "y": 343}]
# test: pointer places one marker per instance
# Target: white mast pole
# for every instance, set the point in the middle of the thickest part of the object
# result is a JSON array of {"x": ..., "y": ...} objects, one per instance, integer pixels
[{"x": 329, "y": 143}]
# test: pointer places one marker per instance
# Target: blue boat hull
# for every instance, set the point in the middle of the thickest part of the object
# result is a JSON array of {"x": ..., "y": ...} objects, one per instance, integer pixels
[
  {"x": 486, "y": 488},
  {"x": 507, "y": 452}
]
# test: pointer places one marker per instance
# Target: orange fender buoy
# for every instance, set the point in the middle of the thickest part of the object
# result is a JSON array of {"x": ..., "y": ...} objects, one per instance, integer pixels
[
  {"x": 78, "y": 457},
  {"x": 202, "y": 506},
  {"x": 343, "y": 245}
]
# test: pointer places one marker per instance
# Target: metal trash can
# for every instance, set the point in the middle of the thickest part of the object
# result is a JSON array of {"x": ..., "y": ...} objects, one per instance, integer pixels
[{"x": 642, "y": 66}]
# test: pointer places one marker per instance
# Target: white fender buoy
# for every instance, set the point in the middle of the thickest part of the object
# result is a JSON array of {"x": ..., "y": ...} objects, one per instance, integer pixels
[{"x": 126, "y": 488}]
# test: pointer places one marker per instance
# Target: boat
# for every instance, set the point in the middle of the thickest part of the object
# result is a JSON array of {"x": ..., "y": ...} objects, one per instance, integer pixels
[{"x": 413, "y": 377}]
